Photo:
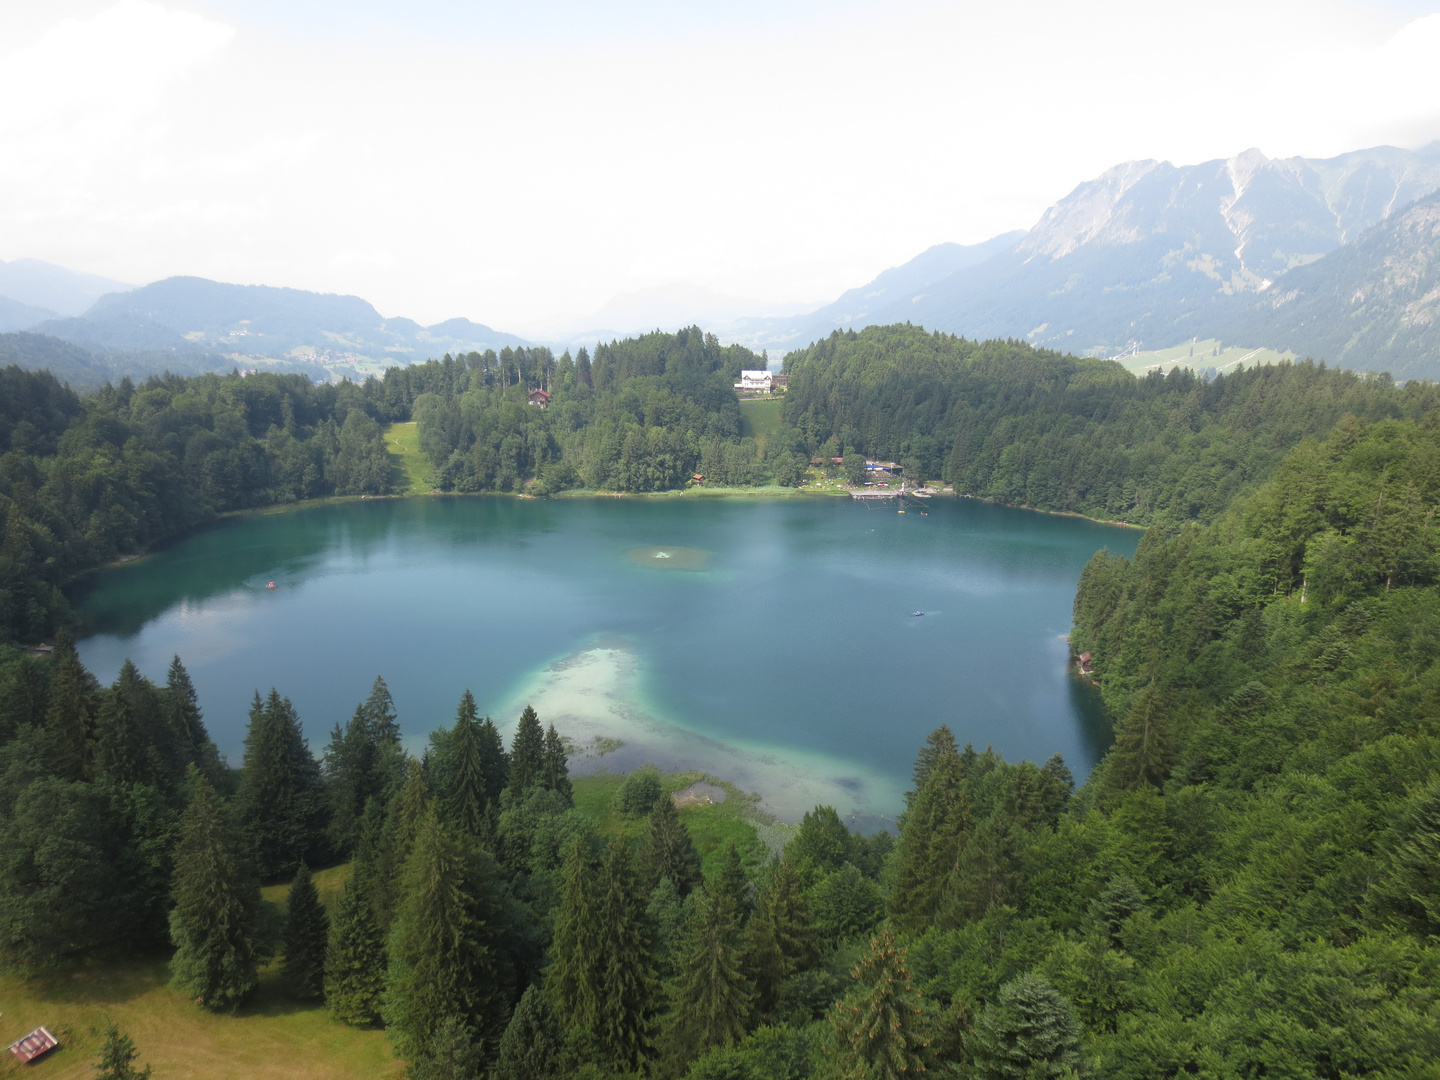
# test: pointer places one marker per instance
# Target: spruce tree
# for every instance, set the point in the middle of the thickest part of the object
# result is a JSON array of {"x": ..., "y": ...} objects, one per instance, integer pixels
[
  {"x": 821, "y": 845},
  {"x": 355, "y": 958},
  {"x": 628, "y": 980},
  {"x": 184, "y": 719},
  {"x": 495, "y": 760},
  {"x": 936, "y": 829},
  {"x": 307, "y": 932},
  {"x": 732, "y": 883},
  {"x": 712, "y": 997},
  {"x": 940, "y": 741},
  {"x": 410, "y": 806},
  {"x": 442, "y": 958},
  {"x": 779, "y": 935},
  {"x": 455, "y": 1053},
  {"x": 122, "y": 755},
  {"x": 1143, "y": 748},
  {"x": 1028, "y": 1033},
  {"x": 69, "y": 713},
  {"x": 557, "y": 771},
  {"x": 279, "y": 797},
  {"x": 348, "y": 762},
  {"x": 668, "y": 850},
  {"x": 216, "y": 900},
  {"x": 880, "y": 1023},
  {"x": 574, "y": 981},
  {"x": 531, "y": 1047},
  {"x": 467, "y": 797},
  {"x": 117, "y": 1057},
  {"x": 380, "y": 713},
  {"x": 664, "y": 913},
  {"x": 527, "y": 754}
]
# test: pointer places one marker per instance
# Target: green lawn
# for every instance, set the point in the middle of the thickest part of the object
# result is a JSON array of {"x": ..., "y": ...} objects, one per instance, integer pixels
[
  {"x": 759, "y": 418},
  {"x": 711, "y": 827},
  {"x": 272, "y": 1036},
  {"x": 409, "y": 468}
]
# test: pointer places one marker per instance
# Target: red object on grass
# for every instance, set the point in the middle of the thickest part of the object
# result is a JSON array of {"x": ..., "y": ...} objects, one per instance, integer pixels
[{"x": 33, "y": 1045}]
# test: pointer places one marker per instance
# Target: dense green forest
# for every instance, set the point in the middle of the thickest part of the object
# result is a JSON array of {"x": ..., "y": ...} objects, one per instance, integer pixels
[
  {"x": 644, "y": 414},
  {"x": 1247, "y": 886},
  {"x": 1028, "y": 427}
]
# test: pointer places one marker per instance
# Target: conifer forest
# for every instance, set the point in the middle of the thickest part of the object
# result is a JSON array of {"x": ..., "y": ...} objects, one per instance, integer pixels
[{"x": 1247, "y": 886}]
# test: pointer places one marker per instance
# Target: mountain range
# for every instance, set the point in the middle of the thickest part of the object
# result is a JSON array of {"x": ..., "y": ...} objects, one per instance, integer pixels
[
  {"x": 1156, "y": 253},
  {"x": 1336, "y": 258}
]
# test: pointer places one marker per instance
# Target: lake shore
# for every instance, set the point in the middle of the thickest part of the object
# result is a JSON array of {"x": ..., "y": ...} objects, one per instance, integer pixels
[{"x": 594, "y": 698}]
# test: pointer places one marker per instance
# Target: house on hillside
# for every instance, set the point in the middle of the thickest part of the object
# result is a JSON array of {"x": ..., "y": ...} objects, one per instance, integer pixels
[
  {"x": 755, "y": 382},
  {"x": 539, "y": 397}
]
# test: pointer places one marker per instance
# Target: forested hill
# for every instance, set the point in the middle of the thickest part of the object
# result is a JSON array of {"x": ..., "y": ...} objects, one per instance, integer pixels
[
  {"x": 83, "y": 481},
  {"x": 1029, "y": 427},
  {"x": 643, "y": 414}
]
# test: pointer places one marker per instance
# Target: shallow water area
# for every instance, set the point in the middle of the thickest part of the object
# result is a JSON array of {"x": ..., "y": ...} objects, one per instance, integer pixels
[
  {"x": 670, "y": 558},
  {"x": 786, "y": 660}
]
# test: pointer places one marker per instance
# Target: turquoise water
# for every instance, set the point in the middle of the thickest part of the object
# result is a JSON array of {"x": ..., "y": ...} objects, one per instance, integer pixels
[{"x": 783, "y": 630}]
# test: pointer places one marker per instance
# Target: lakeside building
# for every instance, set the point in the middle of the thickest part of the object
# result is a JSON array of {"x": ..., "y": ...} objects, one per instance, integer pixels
[
  {"x": 755, "y": 381},
  {"x": 539, "y": 397}
]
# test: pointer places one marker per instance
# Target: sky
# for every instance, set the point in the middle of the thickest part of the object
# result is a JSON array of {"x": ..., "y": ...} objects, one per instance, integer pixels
[{"x": 523, "y": 164}]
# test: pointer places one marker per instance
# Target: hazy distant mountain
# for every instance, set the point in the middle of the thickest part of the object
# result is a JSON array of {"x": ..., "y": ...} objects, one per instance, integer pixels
[
  {"x": 1374, "y": 304},
  {"x": 896, "y": 287},
  {"x": 1148, "y": 251},
  {"x": 196, "y": 314},
  {"x": 56, "y": 290},
  {"x": 85, "y": 369},
  {"x": 17, "y": 316}
]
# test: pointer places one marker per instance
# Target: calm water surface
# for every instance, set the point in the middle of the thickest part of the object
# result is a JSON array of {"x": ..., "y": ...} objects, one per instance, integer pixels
[{"x": 783, "y": 626}]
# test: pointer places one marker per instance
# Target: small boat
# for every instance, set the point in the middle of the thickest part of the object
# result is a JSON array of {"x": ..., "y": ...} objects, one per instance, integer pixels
[
  {"x": 271, "y": 585},
  {"x": 899, "y": 511},
  {"x": 916, "y": 614}
]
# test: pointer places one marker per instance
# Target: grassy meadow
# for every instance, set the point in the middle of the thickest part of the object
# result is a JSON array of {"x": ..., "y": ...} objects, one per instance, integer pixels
[
  {"x": 1199, "y": 356},
  {"x": 409, "y": 468},
  {"x": 759, "y": 418}
]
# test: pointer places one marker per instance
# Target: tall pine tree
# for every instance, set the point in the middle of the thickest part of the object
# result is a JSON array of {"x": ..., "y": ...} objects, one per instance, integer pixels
[
  {"x": 279, "y": 797},
  {"x": 668, "y": 850},
  {"x": 213, "y": 923},
  {"x": 628, "y": 980},
  {"x": 712, "y": 997},
  {"x": 779, "y": 935},
  {"x": 527, "y": 754},
  {"x": 355, "y": 965},
  {"x": 307, "y": 932},
  {"x": 69, "y": 714},
  {"x": 531, "y": 1047},
  {"x": 936, "y": 829},
  {"x": 186, "y": 723},
  {"x": 442, "y": 947},
  {"x": 880, "y": 1024},
  {"x": 557, "y": 772}
]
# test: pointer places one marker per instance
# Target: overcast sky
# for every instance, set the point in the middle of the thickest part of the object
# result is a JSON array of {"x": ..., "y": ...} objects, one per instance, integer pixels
[{"x": 517, "y": 163}]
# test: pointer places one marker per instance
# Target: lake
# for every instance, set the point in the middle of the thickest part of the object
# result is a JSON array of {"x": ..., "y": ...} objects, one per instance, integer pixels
[{"x": 770, "y": 642}]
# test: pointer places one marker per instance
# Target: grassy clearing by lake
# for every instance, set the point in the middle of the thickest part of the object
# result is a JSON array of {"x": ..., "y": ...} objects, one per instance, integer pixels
[
  {"x": 759, "y": 419},
  {"x": 711, "y": 827},
  {"x": 409, "y": 468},
  {"x": 272, "y": 1036}
]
